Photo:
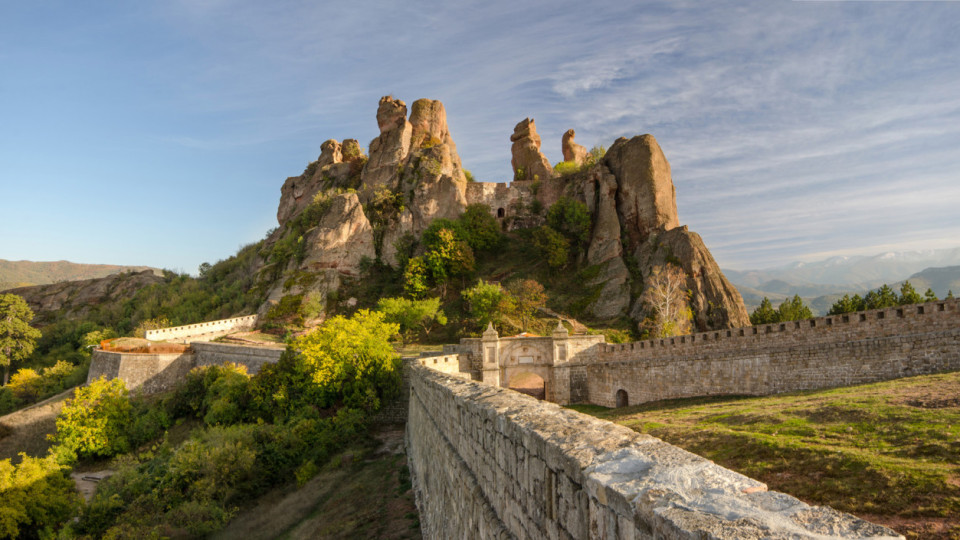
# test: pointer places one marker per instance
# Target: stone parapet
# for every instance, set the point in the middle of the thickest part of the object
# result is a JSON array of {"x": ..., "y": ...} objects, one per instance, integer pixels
[
  {"x": 146, "y": 373},
  {"x": 488, "y": 462},
  {"x": 209, "y": 330},
  {"x": 253, "y": 358},
  {"x": 826, "y": 352}
]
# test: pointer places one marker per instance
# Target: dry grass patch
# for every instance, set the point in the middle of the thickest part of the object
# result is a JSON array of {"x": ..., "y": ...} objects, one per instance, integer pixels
[{"x": 889, "y": 452}]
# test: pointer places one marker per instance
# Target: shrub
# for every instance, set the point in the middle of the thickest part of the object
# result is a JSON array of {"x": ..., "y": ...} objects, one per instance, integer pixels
[
  {"x": 38, "y": 497},
  {"x": 570, "y": 217},
  {"x": 564, "y": 168},
  {"x": 94, "y": 422},
  {"x": 552, "y": 246},
  {"x": 480, "y": 229},
  {"x": 26, "y": 384},
  {"x": 487, "y": 302}
]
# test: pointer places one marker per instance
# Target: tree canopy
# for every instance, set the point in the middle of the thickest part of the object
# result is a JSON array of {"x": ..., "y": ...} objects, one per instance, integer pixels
[
  {"x": 17, "y": 337},
  {"x": 666, "y": 296}
]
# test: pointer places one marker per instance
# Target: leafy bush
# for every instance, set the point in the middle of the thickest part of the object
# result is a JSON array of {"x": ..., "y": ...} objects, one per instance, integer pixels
[
  {"x": 94, "y": 423},
  {"x": 552, "y": 246},
  {"x": 38, "y": 497},
  {"x": 480, "y": 229},
  {"x": 26, "y": 384},
  {"x": 413, "y": 316},
  {"x": 571, "y": 218},
  {"x": 487, "y": 302},
  {"x": 564, "y": 168}
]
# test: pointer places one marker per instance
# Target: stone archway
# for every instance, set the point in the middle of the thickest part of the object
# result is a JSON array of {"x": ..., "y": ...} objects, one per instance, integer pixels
[
  {"x": 622, "y": 398},
  {"x": 529, "y": 383}
]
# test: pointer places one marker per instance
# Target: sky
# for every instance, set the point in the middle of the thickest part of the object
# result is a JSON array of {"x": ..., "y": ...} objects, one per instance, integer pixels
[{"x": 160, "y": 132}]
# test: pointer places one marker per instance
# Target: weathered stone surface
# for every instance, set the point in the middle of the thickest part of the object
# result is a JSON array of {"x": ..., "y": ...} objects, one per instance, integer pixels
[
  {"x": 715, "y": 302},
  {"x": 492, "y": 463},
  {"x": 571, "y": 150},
  {"x": 329, "y": 153},
  {"x": 351, "y": 150},
  {"x": 334, "y": 248},
  {"x": 77, "y": 298},
  {"x": 528, "y": 162},
  {"x": 391, "y": 147},
  {"x": 646, "y": 199}
]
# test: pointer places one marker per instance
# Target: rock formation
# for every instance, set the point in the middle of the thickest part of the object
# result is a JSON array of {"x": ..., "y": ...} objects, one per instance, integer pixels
[
  {"x": 571, "y": 150},
  {"x": 76, "y": 299},
  {"x": 646, "y": 200},
  {"x": 414, "y": 176},
  {"x": 390, "y": 148},
  {"x": 528, "y": 162}
]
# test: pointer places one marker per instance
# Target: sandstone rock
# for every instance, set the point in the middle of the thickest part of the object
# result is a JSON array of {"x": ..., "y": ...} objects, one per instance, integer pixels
[
  {"x": 351, "y": 150},
  {"x": 571, "y": 150},
  {"x": 715, "y": 302},
  {"x": 391, "y": 147},
  {"x": 528, "y": 162},
  {"x": 646, "y": 199},
  {"x": 329, "y": 153},
  {"x": 334, "y": 250},
  {"x": 605, "y": 239}
]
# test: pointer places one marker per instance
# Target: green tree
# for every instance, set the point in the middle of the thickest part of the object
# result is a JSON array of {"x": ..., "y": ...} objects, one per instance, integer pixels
[
  {"x": 94, "y": 423},
  {"x": 480, "y": 228},
  {"x": 667, "y": 296},
  {"x": 949, "y": 295},
  {"x": 415, "y": 278},
  {"x": 883, "y": 297},
  {"x": 413, "y": 315},
  {"x": 487, "y": 302},
  {"x": 929, "y": 296},
  {"x": 847, "y": 305},
  {"x": 794, "y": 309},
  {"x": 909, "y": 295},
  {"x": 17, "y": 337},
  {"x": 527, "y": 297},
  {"x": 552, "y": 246},
  {"x": 447, "y": 257},
  {"x": 572, "y": 218},
  {"x": 765, "y": 314},
  {"x": 155, "y": 323}
]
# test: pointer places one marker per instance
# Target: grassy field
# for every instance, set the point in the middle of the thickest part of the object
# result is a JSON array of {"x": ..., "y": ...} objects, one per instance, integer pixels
[{"x": 888, "y": 452}]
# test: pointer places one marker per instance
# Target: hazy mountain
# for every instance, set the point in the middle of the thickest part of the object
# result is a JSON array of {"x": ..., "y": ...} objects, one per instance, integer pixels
[
  {"x": 942, "y": 280},
  {"x": 864, "y": 271},
  {"x": 821, "y": 283},
  {"x": 24, "y": 273}
]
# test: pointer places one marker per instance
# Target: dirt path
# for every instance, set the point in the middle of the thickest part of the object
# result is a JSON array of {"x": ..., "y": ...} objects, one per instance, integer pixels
[{"x": 26, "y": 430}]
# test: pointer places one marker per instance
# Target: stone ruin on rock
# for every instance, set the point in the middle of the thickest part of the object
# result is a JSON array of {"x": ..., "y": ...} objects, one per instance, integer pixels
[{"x": 413, "y": 175}]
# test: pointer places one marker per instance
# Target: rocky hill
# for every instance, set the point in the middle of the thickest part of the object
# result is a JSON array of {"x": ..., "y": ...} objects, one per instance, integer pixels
[
  {"x": 26, "y": 273},
  {"x": 76, "y": 299},
  {"x": 348, "y": 209}
]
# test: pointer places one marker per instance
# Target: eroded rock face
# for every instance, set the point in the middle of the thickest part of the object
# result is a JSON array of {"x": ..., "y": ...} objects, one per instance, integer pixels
[
  {"x": 390, "y": 148},
  {"x": 351, "y": 150},
  {"x": 75, "y": 299},
  {"x": 329, "y": 153},
  {"x": 646, "y": 200},
  {"x": 528, "y": 162},
  {"x": 334, "y": 249},
  {"x": 571, "y": 150},
  {"x": 715, "y": 302}
]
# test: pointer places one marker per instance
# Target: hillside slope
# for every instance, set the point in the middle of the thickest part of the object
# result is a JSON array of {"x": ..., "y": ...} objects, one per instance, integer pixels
[{"x": 26, "y": 273}]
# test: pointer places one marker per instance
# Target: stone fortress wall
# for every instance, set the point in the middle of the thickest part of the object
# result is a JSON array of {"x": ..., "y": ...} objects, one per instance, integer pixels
[
  {"x": 824, "y": 352},
  {"x": 204, "y": 331},
  {"x": 487, "y": 462},
  {"x": 152, "y": 373}
]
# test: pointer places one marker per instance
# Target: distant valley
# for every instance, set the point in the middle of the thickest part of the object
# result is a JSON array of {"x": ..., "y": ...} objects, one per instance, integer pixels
[
  {"x": 15, "y": 274},
  {"x": 821, "y": 283}
]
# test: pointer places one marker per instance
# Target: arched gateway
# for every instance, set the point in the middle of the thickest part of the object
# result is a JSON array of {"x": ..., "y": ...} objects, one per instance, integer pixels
[{"x": 559, "y": 360}]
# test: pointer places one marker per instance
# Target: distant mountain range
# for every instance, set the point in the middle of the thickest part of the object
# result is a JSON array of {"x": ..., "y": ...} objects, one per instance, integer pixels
[
  {"x": 821, "y": 283},
  {"x": 24, "y": 273}
]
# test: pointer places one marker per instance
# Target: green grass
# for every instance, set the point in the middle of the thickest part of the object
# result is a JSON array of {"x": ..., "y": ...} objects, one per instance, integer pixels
[{"x": 889, "y": 451}]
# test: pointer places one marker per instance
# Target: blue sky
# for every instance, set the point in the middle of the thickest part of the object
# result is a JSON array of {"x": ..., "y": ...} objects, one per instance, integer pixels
[{"x": 159, "y": 133}]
